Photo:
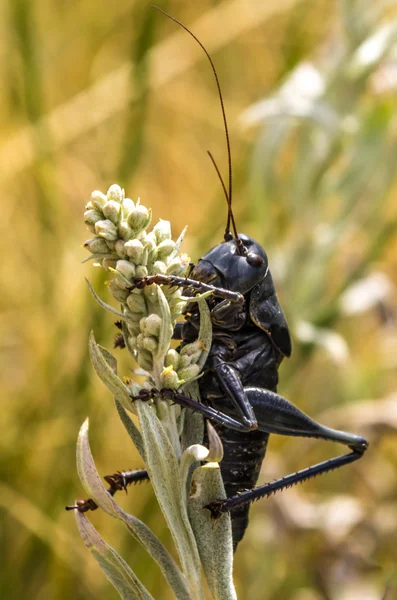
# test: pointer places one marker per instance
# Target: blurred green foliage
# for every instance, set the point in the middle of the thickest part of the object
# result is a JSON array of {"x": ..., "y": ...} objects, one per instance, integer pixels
[{"x": 113, "y": 92}]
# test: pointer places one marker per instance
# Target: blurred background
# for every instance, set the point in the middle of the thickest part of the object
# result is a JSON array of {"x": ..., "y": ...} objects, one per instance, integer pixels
[{"x": 95, "y": 93}]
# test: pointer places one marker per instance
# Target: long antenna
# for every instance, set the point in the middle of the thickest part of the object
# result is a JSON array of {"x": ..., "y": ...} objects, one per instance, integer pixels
[
  {"x": 230, "y": 215},
  {"x": 229, "y": 194}
]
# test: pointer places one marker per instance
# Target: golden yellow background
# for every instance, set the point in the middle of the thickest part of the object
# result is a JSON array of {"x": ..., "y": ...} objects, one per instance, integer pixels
[{"x": 95, "y": 93}]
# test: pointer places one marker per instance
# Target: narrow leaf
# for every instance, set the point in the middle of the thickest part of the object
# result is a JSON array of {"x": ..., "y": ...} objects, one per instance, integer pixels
[
  {"x": 205, "y": 333},
  {"x": 94, "y": 487},
  {"x": 105, "y": 366},
  {"x": 131, "y": 428},
  {"x": 115, "y": 568},
  {"x": 214, "y": 538},
  {"x": 163, "y": 470}
]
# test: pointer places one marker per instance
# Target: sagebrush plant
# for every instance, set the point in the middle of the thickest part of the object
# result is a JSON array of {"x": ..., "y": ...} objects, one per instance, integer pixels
[{"x": 168, "y": 438}]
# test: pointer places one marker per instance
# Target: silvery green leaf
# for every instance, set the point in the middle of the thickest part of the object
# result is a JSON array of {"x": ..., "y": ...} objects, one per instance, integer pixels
[
  {"x": 193, "y": 429},
  {"x": 88, "y": 474},
  {"x": 205, "y": 333},
  {"x": 198, "y": 453},
  {"x": 94, "y": 487},
  {"x": 105, "y": 367},
  {"x": 166, "y": 328},
  {"x": 115, "y": 568},
  {"x": 214, "y": 538},
  {"x": 193, "y": 454},
  {"x": 99, "y": 257},
  {"x": 178, "y": 243},
  {"x": 125, "y": 332},
  {"x": 163, "y": 470},
  {"x": 131, "y": 428},
  {"x": 107, "y": 307}
]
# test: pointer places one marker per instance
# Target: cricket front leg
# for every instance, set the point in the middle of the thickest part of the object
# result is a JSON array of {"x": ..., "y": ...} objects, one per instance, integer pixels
[{"x": 186, "y": 283}]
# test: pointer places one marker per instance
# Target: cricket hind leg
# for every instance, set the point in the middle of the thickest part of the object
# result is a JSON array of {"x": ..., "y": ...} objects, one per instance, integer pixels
[
  {"x": 117, "y": 482},
  {"x": 277, "y": 415}
]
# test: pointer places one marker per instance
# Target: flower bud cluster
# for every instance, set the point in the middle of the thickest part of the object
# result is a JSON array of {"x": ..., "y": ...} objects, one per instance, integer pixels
[
  {"x": 123, "y": 246},
  {"x": 183, "y": 366}
]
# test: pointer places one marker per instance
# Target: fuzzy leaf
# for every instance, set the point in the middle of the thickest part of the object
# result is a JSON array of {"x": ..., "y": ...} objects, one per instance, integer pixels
[
  {"x": 107, "y": 307},
  {"x": 205, "y": 333},
  {"x": 88, "y": 474},
  {"x": 197, "y": 453},
  {"x": 214, "y": 538},
  {"x": 105, "y": 366},
  {"x": 131, "y": 428},
  {"x": 115, "y": 568},
  {"x": 163, "y": 470},
  {"x": 166, "y": 328},
  {"x": 193, "y": 428},
  {"x": 94, "y": 487}
]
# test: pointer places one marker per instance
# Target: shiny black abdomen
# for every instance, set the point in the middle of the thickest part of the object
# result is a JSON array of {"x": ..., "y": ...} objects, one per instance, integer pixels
[{"x": 254, "y": 357}]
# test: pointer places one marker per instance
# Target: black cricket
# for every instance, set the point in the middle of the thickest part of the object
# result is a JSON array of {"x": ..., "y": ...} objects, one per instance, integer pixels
[{"x": 239, "y": 384}]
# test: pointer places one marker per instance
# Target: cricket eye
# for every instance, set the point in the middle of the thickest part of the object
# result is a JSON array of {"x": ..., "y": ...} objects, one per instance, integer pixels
[{"x": 254, "y": 260}]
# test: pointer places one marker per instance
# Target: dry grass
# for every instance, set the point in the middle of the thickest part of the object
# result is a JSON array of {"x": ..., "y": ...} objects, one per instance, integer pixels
[{"x": 112, "y": 92}]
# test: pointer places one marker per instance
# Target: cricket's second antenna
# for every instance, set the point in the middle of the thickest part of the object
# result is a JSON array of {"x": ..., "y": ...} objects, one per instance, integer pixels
[{"x": 228, "y": 193}]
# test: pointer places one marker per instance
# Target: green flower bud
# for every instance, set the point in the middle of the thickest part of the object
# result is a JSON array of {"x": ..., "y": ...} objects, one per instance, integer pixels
[
  {"x": 150, "y": 240},
  {"x": 162, "y": 231},
  {"x": 139, "y": 218},
  {"x": 178, "y": 265},
  {"x": 150, "y": 249},
  {"x": 125, "y": 231},
  {"x": 133, "y": 329},
  {"x": 96, "y": 246},
  {"x": 169, "y": 378},
  {"x": 139, "y": 341},
  {"x": 193, "y": 351},
  {"x": 159, "y": 267},
  {"x": 176, "y": 302},
  {"x": 111, "y": 245},
  {"x": 132, "y": 341},
  {"x": 112, "y": 211},
  {"x": 109, "y": 263},
  {"x": 118, "y": 294},
  {"x": 126, "y": 269},
  {"x": 145, "y": 360},
  {"x": 136, "y": 303},
  {"x": 152, "y": 325},
  {"x": 119, "y": 248},
  {"x": 184, "y": 361},
  {"x": 177, "y": 310},
  {"x": 107, "y": 230},
  {"x": 134, "y": 249},
  {"x": 141, "y": 271},
  {"x": 193, "y": 348},
  {"x": 98, "y": 200},
  {"x": 150, "y": 343},
  {"x": 141, "y": 235},
  {"x": 115, "y": 193},
  {"x": 91, "y": 217},
  {"x": 189, "y": 372},
  {"x": 152, "y": 257},
  {"x": 165, "y": 248},
  {"x": 128, "y": 206},
  {"x": 172, "y": 359}
]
